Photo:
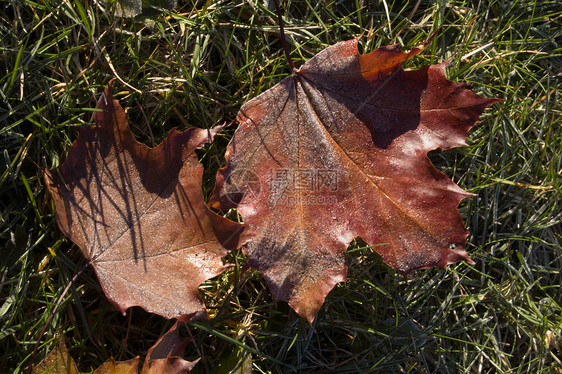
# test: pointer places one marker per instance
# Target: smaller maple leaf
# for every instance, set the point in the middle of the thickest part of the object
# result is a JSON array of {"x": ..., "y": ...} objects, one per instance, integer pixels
[
  {"x": 119, "y": 367},
  {"x": 139, "y": 216},
  {"x": 165, "y": 356},
  {"x": 58, "y": 361}
]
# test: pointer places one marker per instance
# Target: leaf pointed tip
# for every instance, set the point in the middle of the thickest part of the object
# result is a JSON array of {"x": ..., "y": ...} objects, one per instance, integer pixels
[
  {"x": 428, "y": 41},
  {"x": 213, "y": 131},
  {"x": 414, "y": 51},
  {"x": 455, "y": 255},
  {"x": 493, "y": 101},
  {"x": 308, "y": 313},
  {"x": 307, "y": 302},
  {"x": 108, "y": 92}
]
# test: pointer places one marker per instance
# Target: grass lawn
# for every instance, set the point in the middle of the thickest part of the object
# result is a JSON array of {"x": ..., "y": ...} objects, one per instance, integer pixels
[{"x": 195, "y": 66}]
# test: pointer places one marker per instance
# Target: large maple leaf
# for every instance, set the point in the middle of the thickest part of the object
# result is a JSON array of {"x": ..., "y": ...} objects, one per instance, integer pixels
[
  {"x": 139, "y": 216},
  {"x": 339, "y": 150}
]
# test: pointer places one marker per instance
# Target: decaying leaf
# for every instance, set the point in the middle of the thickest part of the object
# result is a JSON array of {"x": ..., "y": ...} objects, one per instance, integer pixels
[
  {"x": 58, "y": 361},
  {"x": 165, "y": 356},
  {"x": 139, "y": 216},
  {"x": 162, "y": 358},
  {"x": 119, "y": 367},
  {"x": 339, "y": 150}
]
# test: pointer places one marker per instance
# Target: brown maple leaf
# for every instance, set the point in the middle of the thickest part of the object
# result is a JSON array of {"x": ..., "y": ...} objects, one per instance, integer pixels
[
  {"x": 164, "y": 357},
  {"x": 119, "y": 367},
  {"x": 339, "y": 150},
  {"x": 139, "y": 216},
  {"x": 58, "y": 361}
]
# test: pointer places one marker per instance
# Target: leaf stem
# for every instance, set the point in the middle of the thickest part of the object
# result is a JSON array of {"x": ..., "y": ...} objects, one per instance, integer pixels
[
  {"x": 283, "y": 39},
  {"x": 59, "y": 301}
]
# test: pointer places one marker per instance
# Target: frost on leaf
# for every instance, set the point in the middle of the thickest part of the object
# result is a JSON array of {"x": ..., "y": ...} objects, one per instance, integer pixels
[
  {"x": 340, "y": 151},
  {"x": 139, "y": 216}
]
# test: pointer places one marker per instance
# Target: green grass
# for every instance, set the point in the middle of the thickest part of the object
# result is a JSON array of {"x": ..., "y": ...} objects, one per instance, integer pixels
[{"x": 196, "y": 66}]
